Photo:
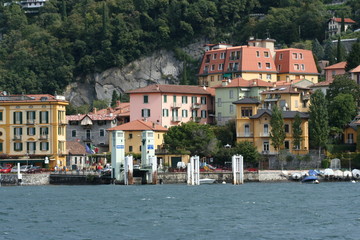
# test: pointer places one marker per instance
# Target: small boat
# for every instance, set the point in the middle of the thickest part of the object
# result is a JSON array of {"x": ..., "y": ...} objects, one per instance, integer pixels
[
  {"x": 310, "y": 179},
  {"x": 296, "y": 176},
  {"x": 207, "y": 181},
  {"x": 356, "y": 173}
]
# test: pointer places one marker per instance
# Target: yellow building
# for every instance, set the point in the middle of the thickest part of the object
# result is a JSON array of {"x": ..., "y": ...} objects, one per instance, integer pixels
[
  {"x": 33, "y": 129},
  {"x": 133, "y": 131},
  {"x": 253, "y": 125}
]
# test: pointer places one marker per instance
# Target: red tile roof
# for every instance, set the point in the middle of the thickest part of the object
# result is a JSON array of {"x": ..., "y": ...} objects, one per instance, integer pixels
[
  {"x": 340, "y": 65},
  {"x": 323, "y": 83},
  {"x": 138, "y": 125},
  {"x": 94, "y": 117},
  {"x": 240, "y": 82},
  {"x": 75, "y": 148},
  {"x": 284, "y": 58},
  {"x": 163, "y": 88},
  {"x": 31, "y": 98},
  {"x": 355, "y": 70},
  {"x": 346, "y": 20}
]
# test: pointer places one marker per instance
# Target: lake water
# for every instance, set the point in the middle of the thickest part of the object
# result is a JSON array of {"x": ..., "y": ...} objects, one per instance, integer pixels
[{"x": 249, "y": 211}]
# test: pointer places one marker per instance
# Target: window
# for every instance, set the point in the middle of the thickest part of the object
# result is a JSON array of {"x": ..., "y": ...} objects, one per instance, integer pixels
[
  {"x": 215, "y": 56},
  {"x": 280, "y": 56},
  {"x": 231, "y": 109},
  {"x": 219, "y": 102},
  {"x": 174, "y": 98},
  {"x": 260, "y": 75},
  {"x": 300, "y": 55},
  {"x": 294, "y": 55},
  {"x": 221, "y": 66},
  {"x": 266, "y": 54},
  {"x": 1, "y": 115},
  {"x": 279, "y": 67},
  {"x": 296, "y": 67},
  {"x": 266, "y": 146},
  {"x": 165, "y": 112},
  {"x": 1, "y": 147},
  {"x": 213, "y": 67},
  {"x": 44, "y": 117},
  {"x": 236, "y": 66},
  {"x": 203, "y": 113},
  {"x": 193, "y": 100},
  {"x": 165, "y": 98},
  {"x": 266, "y": 130},
  {"x": 287, "y": 127},
  {"x": 44, "y": 146},
  {"x": 222, "y": 55},
  {"x": 287, "y": 145},
  {"x": 44, "y": 131},
  {"x": 302, "y": 67},
  {"x": 17, "y": 117},
  {"x": 184, "y": 99},
  {"x": 184, "y": 113},
  {"x": 18, "y": 146},
  {"x": 350, "y": 138},
  {"x": 194, "y": 113},
  {"x": 247, "y": 130},
  {"x": 231, "y": 94},
  {"x": 268, "y": 76},
  {"x": 31, "y": 131},
  {"x": 130, "y": 135},
  {"x": 17, "y": 132},
  {"x": 146, "y": 99},
  {"x": 73, "y": 133},
  {"x": 259, "y": 64},
  {"x": 296, "y": 103},
  {"x": 102, "y": 132},
  {"x": 75, "y": 160},
  {"x": 203, "y": 100},
  {"x": 246, "y": 112},
  {"x": 88, "y": 134},
  {"x": 145, "y": 112},
  {"x": 268, "y": 66},
  {"x": 219, "y": 118},
  {"x": 61, "y": 131},
  {"x": 211, "y": 78},
  {"x": 130, "y": 148},
  {"x": 30, "y": 117},
  {"x": 31, "y": 147},
  {"x": 257, "y": 54}
]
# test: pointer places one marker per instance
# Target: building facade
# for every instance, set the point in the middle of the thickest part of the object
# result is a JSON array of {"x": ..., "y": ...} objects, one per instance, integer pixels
[
  {"x": 334, "y": 25},
  {"x": 333, "y": 70},
  {"x": 170, "y": 105},
  {"x": 233, "y": 90},
  {"x": 253, "y": 125},
  {"x": 33, "y": 129}
]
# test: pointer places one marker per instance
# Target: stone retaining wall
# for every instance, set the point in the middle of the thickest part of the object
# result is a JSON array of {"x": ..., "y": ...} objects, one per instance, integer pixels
[{"x": 27, "y": 179}]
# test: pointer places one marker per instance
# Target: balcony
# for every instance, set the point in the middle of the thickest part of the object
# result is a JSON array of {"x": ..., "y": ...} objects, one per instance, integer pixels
[
  {"x": 44, "y": 137},
  {"x": 176, "y": 105},
  {"x": 305, "y": 97},
  {"x": 31, "y": 152},
  {"x": 30, "y": 121},
  {"x": 63, "y": 122},
  {"x": 195, "y": 106},
  {"x": 17, "y": 137},
  {"x": 234, "y": 57},
  {"x": 87, "y": 138},
  {"x": 244, "y": 134},
  {"x": 176, "y": 119},
  {"x": 264, "y": 134},
  {"x": 268, "y": 153}
]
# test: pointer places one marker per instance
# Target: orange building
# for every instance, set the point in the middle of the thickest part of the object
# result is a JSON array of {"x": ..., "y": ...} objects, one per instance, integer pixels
[{"x": 333, "y": 70}]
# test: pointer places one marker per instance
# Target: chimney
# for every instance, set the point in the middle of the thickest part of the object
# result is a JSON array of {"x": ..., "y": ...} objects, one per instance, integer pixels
[
  {"x": 153, "y": 125},
  {"x": 94, "y": 110}
]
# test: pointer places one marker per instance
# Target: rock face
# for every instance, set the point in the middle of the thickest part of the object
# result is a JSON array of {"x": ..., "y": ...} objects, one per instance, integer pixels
[{"x": 162, "y": 67}]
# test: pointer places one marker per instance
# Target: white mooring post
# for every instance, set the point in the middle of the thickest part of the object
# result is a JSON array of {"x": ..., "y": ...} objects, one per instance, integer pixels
[
  {"x": 128, "y": 170},
  {"x": 238, "y": 169},
  {"x": 153, "y": 161},
  {"x": 197, "y": 170},
  {"x": 188, "y": 172}
]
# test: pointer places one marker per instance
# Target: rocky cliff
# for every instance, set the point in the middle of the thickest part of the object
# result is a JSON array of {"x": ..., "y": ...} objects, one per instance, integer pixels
[{"x": 161, "y": 67}]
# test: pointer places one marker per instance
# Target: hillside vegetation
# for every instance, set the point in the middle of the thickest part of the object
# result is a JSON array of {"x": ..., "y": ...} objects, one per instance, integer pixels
[{"x": 66, "y": 40}]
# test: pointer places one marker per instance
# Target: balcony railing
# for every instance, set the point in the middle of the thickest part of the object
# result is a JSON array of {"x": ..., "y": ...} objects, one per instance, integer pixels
[
  {"x": 264, "y": 134},
  {"x": 87, "y": 138},
  {"x": 176, "y": 119},
  {"x": 176, "y": 105},
  {"x": 44, "y": 137},
  {"x": 30, "y": 121},
  {"x": 244, "y": 134},
  {"x": 305, "y": 97},
  {"x": 17, "y": 137},
  {"x": 195, "y": 105}
]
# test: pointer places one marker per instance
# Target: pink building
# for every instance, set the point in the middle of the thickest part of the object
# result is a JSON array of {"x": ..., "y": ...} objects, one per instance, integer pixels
[
  {"x": 333, "y": 70},
  {"x": 170, "y": 105},
  {"x": 355, "y": 74}
]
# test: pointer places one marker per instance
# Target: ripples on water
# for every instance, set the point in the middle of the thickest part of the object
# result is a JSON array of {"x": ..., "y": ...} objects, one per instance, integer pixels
[{"x": 250, "y": 211}]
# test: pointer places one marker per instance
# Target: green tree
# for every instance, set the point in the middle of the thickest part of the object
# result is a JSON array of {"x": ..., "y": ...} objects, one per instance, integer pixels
[
  {"x": 100, "y": 104},
  {"x": 114, "y": 98},
  {"x": 340, "y": 51},
  {"x": 318, "y": 49},
  {"x": 191, "y": 138},
  {"x": 343, "y": 84},
  {"x": 353, "y": 59},
  {"x": 342, "y": 110},
  {"x": 226, "y": 134},
  {"x": 297, "y": 131},
  {"x": 329, "y": 52},
  {"x": 277, "y": 134},
  {"x": 318, "y": 121}
]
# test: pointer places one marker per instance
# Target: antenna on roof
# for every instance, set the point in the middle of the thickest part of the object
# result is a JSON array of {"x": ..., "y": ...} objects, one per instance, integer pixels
[{"x": 267, "y": 34}]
